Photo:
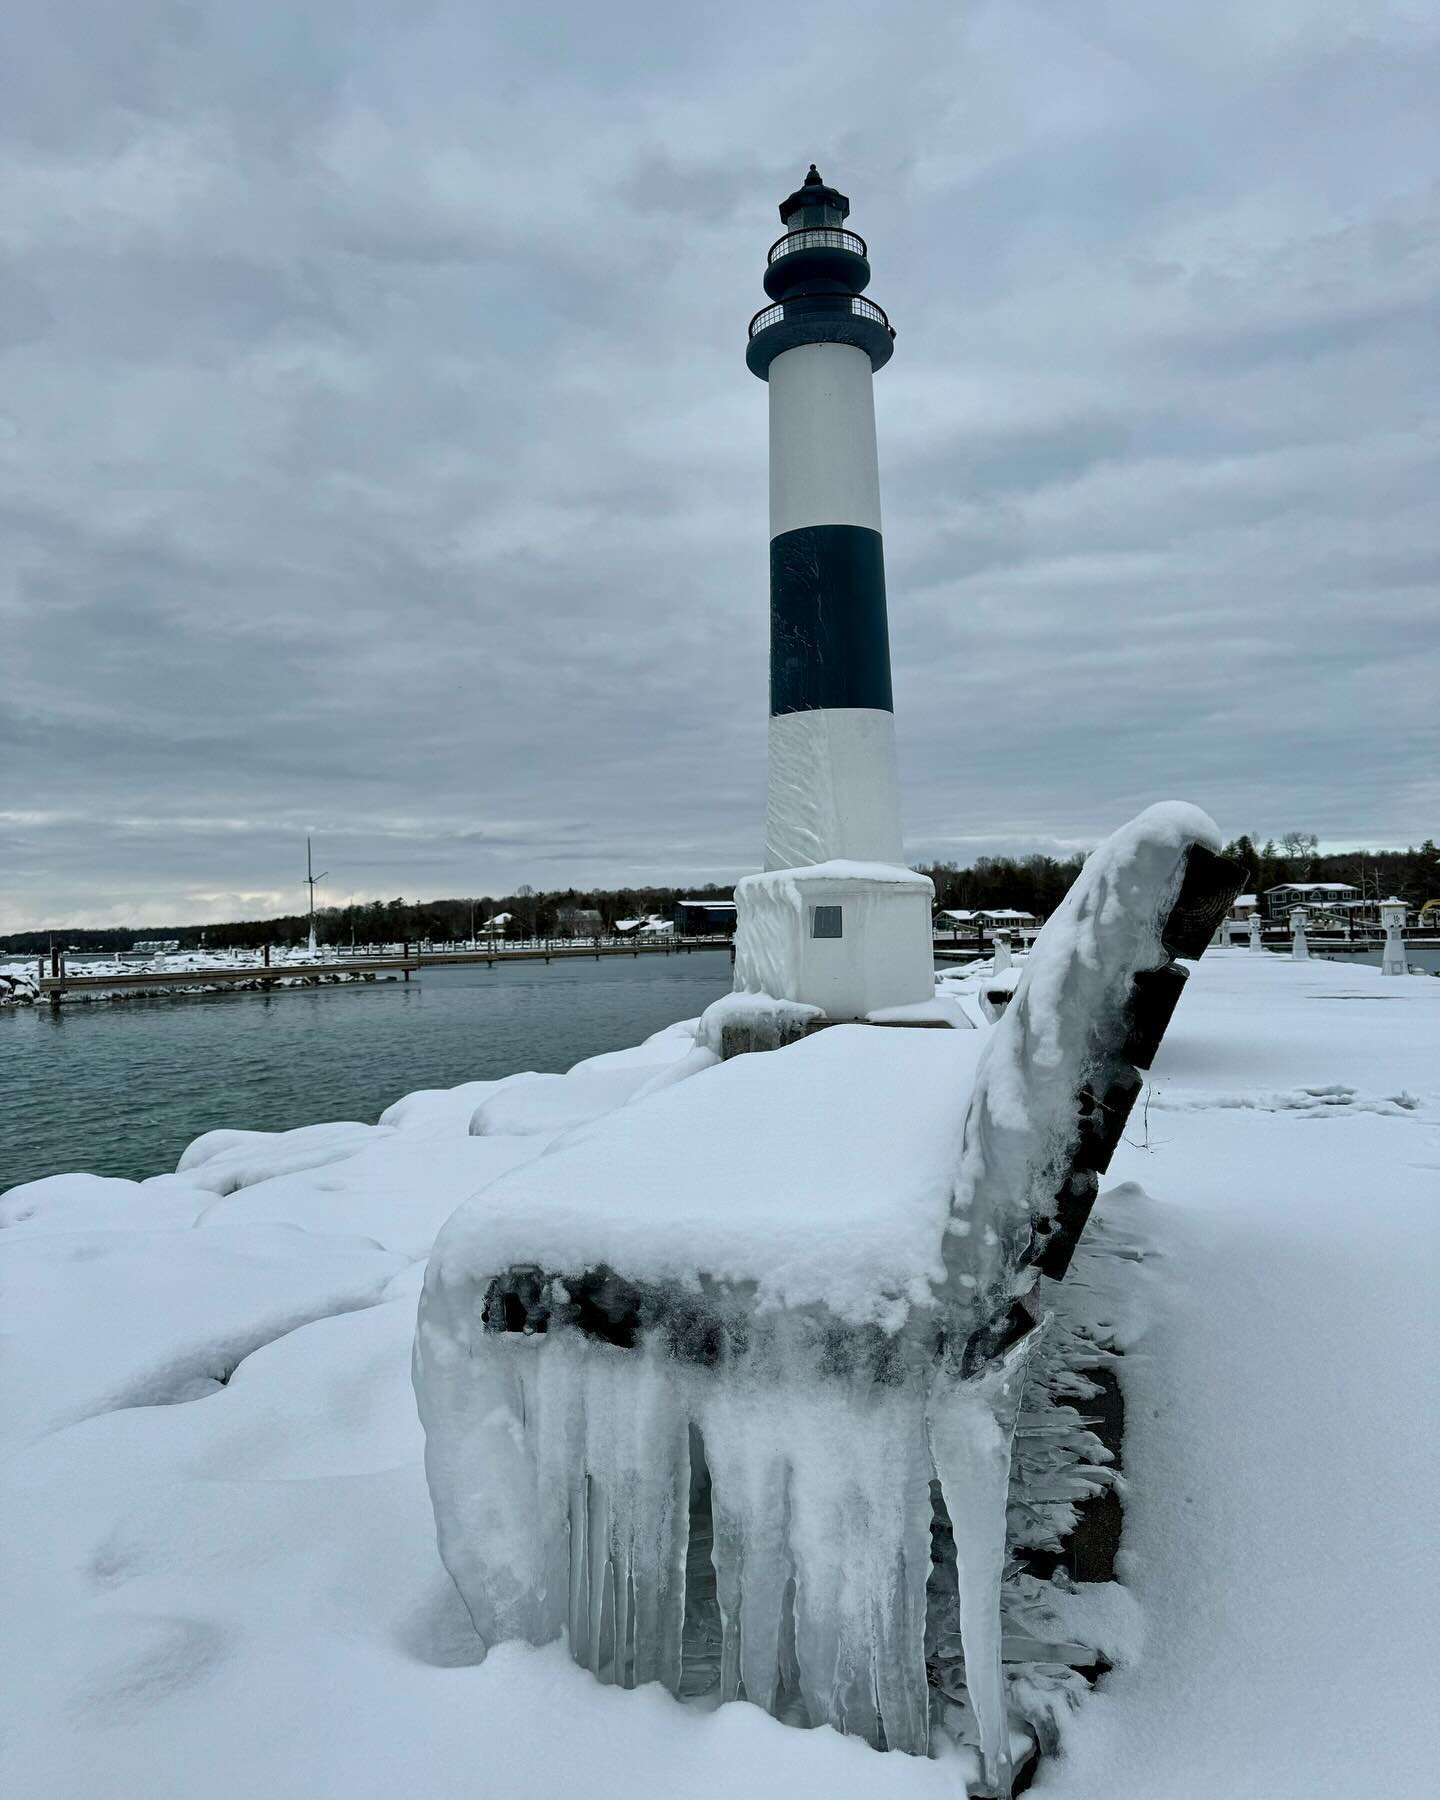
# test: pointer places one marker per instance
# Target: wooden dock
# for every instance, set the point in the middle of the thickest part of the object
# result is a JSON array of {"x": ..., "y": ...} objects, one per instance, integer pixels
[{"x": 54, "y": 987}]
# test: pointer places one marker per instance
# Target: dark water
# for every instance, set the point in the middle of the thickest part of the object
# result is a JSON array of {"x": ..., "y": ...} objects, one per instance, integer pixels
[{"x": 121, "y": 1088}]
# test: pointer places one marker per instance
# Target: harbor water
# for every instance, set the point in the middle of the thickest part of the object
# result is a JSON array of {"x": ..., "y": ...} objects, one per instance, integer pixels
[{"x": 120, "y": 1088}]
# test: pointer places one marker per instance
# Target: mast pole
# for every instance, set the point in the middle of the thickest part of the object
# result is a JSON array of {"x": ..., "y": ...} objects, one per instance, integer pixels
[{"x": 310, "y": 880}]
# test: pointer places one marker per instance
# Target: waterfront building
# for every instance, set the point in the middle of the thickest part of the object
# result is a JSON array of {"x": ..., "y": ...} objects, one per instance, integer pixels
[
  {"x": 579, "y": 922},
  {"x": 1007, "y": 918},
  {"x": 704, "y": 918},
  {"x": 955, "y": 919},
  {"x": 1319, "y": 896}
]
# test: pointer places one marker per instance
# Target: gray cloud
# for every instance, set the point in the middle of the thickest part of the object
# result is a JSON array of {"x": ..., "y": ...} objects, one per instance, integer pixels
[{"x": 377, "y": 456}]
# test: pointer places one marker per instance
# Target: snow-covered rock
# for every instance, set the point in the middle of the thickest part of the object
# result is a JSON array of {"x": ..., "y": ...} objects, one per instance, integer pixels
[
  {"x": 97, "y": 1320},
  {"x": 223, "y": 1161}
]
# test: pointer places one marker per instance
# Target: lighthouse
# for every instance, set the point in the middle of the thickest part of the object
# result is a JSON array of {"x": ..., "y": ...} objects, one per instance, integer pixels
[{"x": 836, "y": 922}]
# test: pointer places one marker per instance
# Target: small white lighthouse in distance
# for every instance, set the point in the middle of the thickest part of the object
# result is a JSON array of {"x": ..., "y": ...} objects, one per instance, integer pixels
[{"x": 835, "y": 922}]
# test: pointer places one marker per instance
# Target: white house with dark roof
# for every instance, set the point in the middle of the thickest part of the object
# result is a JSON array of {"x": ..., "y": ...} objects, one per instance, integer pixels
[
  {"x": 1007, "y": 918},
  {"x": 952, "y": 920},
  {"x": 1281, "y": 899}
]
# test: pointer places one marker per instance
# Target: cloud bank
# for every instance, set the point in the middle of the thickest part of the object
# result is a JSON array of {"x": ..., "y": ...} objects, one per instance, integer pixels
[{"x": 378, "y": 459}]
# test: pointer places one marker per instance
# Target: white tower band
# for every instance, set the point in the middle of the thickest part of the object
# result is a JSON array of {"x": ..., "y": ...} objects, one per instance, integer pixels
[{"x": 855, "y": 925}]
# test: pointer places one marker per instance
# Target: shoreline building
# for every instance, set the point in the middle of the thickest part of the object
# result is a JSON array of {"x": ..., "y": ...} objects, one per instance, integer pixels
[
  {"x": 1319, "y": 896},
  {"x": 836, "y": 921},
  {"x": 704, "y": 918}
]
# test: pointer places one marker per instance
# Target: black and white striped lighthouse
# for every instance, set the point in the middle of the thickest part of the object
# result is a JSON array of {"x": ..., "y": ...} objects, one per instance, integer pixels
[
  {"x": 832, "y": 789},
  {"x": 837, "y": 922}
]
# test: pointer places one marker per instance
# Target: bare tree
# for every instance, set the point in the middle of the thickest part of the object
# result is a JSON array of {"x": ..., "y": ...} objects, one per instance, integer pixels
[{"x": 1301, "y": 847}]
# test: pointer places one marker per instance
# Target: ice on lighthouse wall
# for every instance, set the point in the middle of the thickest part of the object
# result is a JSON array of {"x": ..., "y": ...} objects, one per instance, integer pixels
[
  {"x": 882, "y": 957},
  {"x": 770, "y": 923},
  {"x": 833, "y": 790}
]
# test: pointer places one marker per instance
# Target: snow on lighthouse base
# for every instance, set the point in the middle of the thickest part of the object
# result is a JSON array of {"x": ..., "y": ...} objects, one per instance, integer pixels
[{"x": 846, "y": 938}]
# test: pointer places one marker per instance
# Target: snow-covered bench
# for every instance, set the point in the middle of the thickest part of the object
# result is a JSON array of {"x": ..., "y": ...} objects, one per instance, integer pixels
[{"x": 713, "y": 1387}]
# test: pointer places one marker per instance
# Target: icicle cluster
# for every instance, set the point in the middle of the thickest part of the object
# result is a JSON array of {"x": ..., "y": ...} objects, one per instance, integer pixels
[{"x": 571, "y": 1476}]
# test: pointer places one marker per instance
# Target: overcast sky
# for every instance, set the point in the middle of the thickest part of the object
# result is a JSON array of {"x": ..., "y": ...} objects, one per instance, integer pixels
[{"x": 378, "y": 457}]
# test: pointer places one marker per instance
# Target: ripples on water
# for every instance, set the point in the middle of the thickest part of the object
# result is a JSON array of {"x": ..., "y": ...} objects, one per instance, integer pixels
[{"x": 120, "y": 1088}]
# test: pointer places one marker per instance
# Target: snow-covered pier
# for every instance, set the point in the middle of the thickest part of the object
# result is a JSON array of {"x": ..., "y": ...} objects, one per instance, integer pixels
[{"x": 216, "y": 1511}]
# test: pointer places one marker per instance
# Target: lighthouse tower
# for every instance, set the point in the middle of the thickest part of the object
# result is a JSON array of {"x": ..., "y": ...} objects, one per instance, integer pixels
[{"x": 835, "y": 922}]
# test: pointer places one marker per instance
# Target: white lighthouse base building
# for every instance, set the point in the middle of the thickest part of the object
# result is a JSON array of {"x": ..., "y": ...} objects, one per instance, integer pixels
[{"x": 847, "y": 938}]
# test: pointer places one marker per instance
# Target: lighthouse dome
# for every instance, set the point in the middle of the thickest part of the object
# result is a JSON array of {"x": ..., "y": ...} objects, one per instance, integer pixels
[{"x": 814, "y": 203}]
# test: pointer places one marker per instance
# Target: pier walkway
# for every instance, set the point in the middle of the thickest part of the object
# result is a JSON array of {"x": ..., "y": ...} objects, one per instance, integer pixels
[{"x": 55, "y": 986}]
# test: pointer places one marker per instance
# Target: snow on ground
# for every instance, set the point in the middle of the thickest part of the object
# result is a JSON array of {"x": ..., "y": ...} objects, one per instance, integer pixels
[
  {"x": 1281, "y": 1457},
  {"x": 101, "y": 1320},
  {"x": 217, "y": 1566}
]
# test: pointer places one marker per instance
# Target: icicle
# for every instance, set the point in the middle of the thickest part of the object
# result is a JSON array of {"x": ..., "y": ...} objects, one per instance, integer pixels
[
  {"x": 554, "y": 1427},
  {"x": 490, "y": 1533},
  {"x": 652, "y": 1508},
  {"x": 579, "y": 1564},
  {"x": 597, "y": 1568},
  {"x": 747, "y": 1445},
  {"x": 700, "y": 1641},
  {"x": 608, "y": 1432},
  {"x": 860, "y": 1535},
  {"x": 971, "y": 1426}
]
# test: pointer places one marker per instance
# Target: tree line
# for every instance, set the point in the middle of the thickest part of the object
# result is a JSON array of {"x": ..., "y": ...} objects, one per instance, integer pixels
[
  {"x": 396, "y": 921},
  {"x": 1038, "y": 883},
  {"x": 1412, "y": 875},
  {"x": 1033, "y": 884}
]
